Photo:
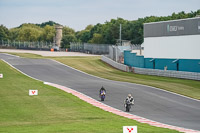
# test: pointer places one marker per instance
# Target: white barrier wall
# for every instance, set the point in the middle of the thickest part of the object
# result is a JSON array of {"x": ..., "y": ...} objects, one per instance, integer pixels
[
  {"x": 181, "y": 47},
  {"x": 115, "y": 64},
  {"x": 156, "y": 72}
]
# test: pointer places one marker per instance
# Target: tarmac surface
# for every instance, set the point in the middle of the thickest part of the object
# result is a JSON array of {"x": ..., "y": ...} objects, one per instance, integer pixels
[{"x": 150, "y": 103}]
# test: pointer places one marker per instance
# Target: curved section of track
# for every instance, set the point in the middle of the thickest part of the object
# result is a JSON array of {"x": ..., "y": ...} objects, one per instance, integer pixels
[{"x": 150, "y": 103}]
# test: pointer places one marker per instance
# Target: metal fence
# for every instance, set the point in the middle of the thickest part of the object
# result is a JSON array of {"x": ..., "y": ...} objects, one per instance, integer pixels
[
  {"x": 90, "y": 48},
  {"x": 26, "y": 45},
  {"x": 136, "y": 47},
  {"x": 156, "y": 72},
  {"x": 76, "y": 47},
  {"x": 116, "y": 53}
]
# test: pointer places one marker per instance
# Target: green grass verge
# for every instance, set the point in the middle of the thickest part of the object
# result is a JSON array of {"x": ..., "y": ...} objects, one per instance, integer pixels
[
  {"x": 53, "y": 110},
  {"x": 94, "y": 66}
]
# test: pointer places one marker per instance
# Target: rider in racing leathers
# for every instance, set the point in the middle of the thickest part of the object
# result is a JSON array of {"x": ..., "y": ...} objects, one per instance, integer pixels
[
  {"x": 102, "y": 90},
  {"x": 130, "y": 99}
]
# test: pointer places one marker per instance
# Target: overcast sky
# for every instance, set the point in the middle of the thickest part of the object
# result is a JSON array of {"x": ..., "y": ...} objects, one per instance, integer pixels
[{"x": 77, "y": 14}]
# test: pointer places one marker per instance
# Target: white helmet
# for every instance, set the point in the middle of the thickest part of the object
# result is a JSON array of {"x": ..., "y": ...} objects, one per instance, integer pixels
[{"x": 129, "y": 95}]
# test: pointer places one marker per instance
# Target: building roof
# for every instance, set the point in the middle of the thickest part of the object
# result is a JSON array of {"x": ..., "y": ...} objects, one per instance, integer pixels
[{"x": 172, "y": 20}]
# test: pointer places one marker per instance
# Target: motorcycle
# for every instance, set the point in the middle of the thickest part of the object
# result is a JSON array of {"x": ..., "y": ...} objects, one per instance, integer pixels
[{"x": 103, "y": 95}]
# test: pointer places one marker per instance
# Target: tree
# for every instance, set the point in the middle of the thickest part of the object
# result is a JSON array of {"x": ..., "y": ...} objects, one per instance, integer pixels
[
  {"x": 14, "y": 33},
  {"x": 48, "y": 33},
  {"x": 84, "y": 35},
  {"x": 66, "y": 31},
  {"x": 68, "y": 36},
  {"x": 4, "y": 33},
  {"x": 67, "y": 39},
  {"x": 89, "y": 27},
  {"x": 29, "y": 34},
  {"x": 97, "y": 38},
  {"x": 50, "y": 23}
]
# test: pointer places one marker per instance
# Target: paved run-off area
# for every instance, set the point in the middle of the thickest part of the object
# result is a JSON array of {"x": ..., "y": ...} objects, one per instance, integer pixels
[{"x": 45, "y": 53}]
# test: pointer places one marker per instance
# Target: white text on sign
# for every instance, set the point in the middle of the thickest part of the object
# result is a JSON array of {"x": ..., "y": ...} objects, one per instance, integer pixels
[
  {"x": 33, "y": 92},
  {"x": 129, "y": 129},
  {"x": 1, "y": 75}
]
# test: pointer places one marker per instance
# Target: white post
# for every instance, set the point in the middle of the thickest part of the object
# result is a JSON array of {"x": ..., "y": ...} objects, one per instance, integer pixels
[
  {"x": 116, "y": 53},
  {"x": 120, "y": 34}
]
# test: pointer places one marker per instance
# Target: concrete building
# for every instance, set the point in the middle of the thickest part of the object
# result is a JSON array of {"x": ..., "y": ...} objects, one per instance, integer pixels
[
  {"x": 169, "y": 45},
  {"x": 173, "y": 39}
]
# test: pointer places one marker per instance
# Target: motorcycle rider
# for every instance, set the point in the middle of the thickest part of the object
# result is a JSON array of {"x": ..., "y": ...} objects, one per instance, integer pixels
[
  {"x": 129, "y": 100},
  {"x": 102, "y": 93},
  {"x": 102, "y": 90}
]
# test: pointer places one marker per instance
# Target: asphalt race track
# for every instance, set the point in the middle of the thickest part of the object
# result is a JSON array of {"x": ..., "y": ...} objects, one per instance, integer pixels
[{"x": 150, "y": 103}]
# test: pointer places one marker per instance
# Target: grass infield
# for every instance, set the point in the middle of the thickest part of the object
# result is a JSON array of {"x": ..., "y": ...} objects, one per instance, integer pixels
[{"x": 53, "y": 110}]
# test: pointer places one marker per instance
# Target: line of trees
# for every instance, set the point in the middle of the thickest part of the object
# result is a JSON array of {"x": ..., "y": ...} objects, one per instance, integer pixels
[{"x": 106, "y": 33}]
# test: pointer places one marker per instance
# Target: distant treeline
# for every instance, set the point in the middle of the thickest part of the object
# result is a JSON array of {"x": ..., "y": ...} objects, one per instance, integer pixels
[{"x": 106, "y": 33}]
